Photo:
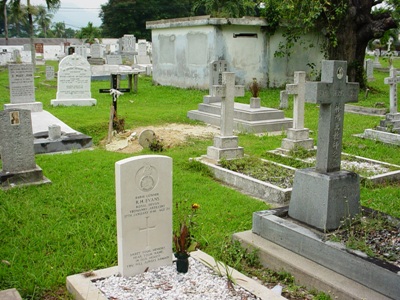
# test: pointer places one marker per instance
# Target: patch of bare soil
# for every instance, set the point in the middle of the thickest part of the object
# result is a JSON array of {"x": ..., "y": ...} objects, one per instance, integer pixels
[{"x": 170, "y": 135}]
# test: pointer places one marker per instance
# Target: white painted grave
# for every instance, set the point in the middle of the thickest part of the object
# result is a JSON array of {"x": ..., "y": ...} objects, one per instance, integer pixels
[
  {"x": 114, "y": 59},
  {"x": 73, "y": 82},
  {"x": 144, "y": 213}
]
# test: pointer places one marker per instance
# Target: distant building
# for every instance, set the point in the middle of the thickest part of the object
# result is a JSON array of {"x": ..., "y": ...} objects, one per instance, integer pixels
[{"x": 183, "y": 49}]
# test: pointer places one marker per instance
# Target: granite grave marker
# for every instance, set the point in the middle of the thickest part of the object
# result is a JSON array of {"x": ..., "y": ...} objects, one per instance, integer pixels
[{"x": 323, "y": 196}]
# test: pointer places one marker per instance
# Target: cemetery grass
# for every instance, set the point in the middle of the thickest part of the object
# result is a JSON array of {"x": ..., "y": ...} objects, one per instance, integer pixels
[{"x": 69, "y": 227}]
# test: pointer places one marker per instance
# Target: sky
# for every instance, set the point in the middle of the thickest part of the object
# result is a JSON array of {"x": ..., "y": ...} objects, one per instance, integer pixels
[{"x": 76, "y": 13}]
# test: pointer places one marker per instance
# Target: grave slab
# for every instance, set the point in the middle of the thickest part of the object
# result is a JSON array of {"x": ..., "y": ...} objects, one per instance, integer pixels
[
  {"x": 382, "y": 136},
  {"x": 306, "y": 271},
  {"x": 276, "y": 227},
  {"x": 10, "y": 294}
]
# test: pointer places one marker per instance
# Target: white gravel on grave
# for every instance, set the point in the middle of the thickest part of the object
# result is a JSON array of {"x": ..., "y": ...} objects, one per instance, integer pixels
[{"x": 199, "y": 283}]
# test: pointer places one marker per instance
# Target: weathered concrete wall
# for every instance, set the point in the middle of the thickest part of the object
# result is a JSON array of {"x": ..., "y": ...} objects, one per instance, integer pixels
[{"x": 184, "y": 48}]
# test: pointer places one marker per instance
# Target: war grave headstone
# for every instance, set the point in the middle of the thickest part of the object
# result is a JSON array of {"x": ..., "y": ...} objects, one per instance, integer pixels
[
  {"x": 298, "y": 136},
  {"x": 73, "y": 82},
  {"x": 128, "y": 43},
  {"x": 246, "y": 118},
  {"x": 49, "y": 72},
  {"x": 22, "y": 88},
  {"x": 17, "y": 150},
  {"x": 388, "y": 130},
  {"x": 321, "y": 198},
  {"x": 144, "y": 213},
  {"x": 226, "y": 144}
]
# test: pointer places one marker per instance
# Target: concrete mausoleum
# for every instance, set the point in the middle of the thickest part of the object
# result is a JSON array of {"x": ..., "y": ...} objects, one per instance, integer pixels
[{"x": 183, "y": 49}]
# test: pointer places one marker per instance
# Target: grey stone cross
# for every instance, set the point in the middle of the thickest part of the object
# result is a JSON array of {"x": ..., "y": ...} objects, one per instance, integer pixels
[
  {"x": 392, "y": 82},
  {"x": 298, "y": 89},
  {"x": 331, "y": 93},
  {"x": 228, "y": 91}
]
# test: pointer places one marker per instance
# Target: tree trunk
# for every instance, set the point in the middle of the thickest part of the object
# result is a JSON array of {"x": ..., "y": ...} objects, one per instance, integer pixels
[
  {"x": 33, "y": 51},
  {"x": 5, "y": 21}
]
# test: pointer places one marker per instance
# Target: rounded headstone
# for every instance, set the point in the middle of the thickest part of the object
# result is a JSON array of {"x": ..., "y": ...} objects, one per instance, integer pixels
[{"x": 146, "y": 137}]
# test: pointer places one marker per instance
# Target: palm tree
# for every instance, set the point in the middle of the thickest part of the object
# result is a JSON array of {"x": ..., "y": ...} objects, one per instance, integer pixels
[
  {"x": 17, "y": 16},
  {"x": 43, "y": 19},
  {"x": 58, "y": 29},
  {"x": 89, "y": 33},
  {"x": 52, "y": 5},
  {"x": 3, "y": 3}
]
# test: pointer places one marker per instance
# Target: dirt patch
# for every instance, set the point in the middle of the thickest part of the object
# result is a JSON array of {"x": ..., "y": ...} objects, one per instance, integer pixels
[{"x": 170, "y": 135}]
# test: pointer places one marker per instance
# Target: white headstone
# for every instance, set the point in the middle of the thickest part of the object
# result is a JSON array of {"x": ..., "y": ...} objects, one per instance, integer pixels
[
  {"x": 73, "y": 82},
  {"x": 392, "y": 81},
  {"x": 114, "y": 59},
  {"x": 144, "y": 213},
  {"x": 81, "y": 50}
]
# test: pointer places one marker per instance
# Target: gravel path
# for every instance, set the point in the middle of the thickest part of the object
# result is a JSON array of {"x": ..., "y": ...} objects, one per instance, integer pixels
[{"x": 166, "y": 283}]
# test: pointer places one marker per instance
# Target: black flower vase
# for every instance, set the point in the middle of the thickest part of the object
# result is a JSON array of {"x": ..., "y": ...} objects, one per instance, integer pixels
[{"x": 182, "y": 262}]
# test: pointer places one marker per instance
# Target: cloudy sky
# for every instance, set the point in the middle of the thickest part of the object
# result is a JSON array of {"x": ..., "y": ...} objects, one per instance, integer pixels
[{"x": 76, "y": 13}]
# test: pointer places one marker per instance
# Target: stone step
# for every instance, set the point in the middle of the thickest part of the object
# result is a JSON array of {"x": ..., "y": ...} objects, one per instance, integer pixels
[
  {"x": 244, "y": 112},
  {"x": 243, "y": 125}
]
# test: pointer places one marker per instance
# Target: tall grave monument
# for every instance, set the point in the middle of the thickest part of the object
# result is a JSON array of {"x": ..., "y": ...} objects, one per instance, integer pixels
[
  {"x": 323, "y": 196},
  {"x": 22, "y": 88},
  {"x": 144, "y": 213},
  {"x": 17, "y": 150},
  {"x": 73, "y": 82}
]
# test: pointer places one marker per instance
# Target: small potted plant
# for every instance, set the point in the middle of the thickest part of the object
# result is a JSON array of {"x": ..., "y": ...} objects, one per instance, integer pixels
[
  {"x": 255, "y": 101},
  {"x": 183, "y": 240}
]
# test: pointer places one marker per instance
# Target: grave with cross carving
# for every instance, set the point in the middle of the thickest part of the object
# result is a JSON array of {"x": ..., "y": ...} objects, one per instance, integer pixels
[
  {"x": 226, "y": 144},
  {"x": 392, "y": 119},
  {"x": 298, "y": 136},
  {"x": 323, "y": 196},
  {"x": 144, "y": 213}
]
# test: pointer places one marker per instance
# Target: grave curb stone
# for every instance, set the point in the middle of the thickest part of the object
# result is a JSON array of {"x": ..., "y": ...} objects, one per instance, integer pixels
[{"x": 83, "y": 288}]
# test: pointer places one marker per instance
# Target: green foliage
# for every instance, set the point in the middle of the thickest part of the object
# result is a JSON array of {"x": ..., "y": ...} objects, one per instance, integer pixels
[
  {"x": 225, "y": 8},
  {"x": 90, "y": 34}
]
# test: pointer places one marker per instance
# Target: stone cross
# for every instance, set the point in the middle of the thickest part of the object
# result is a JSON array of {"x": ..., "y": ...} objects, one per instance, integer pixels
[
  {"x": 298, "y": 89},
  {"x": 228, "y": 91},
  {"x": 392, "y": 82},
  {"x": 331, "y": 93}
]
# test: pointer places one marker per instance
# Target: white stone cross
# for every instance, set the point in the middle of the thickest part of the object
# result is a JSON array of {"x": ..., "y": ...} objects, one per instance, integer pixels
[
  {"x": 298, "y": 89},
  {"x": 228, "y": 91},
  {"x": 331, "y": 93},
  {"x": 392, "y": 82},
  {"x": 147, "y": 229}
]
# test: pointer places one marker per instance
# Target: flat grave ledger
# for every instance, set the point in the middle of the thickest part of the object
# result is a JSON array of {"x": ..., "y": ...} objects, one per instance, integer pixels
[
  {"x": 74, "y": 82},
  {"x": 144, "y": 213}
]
